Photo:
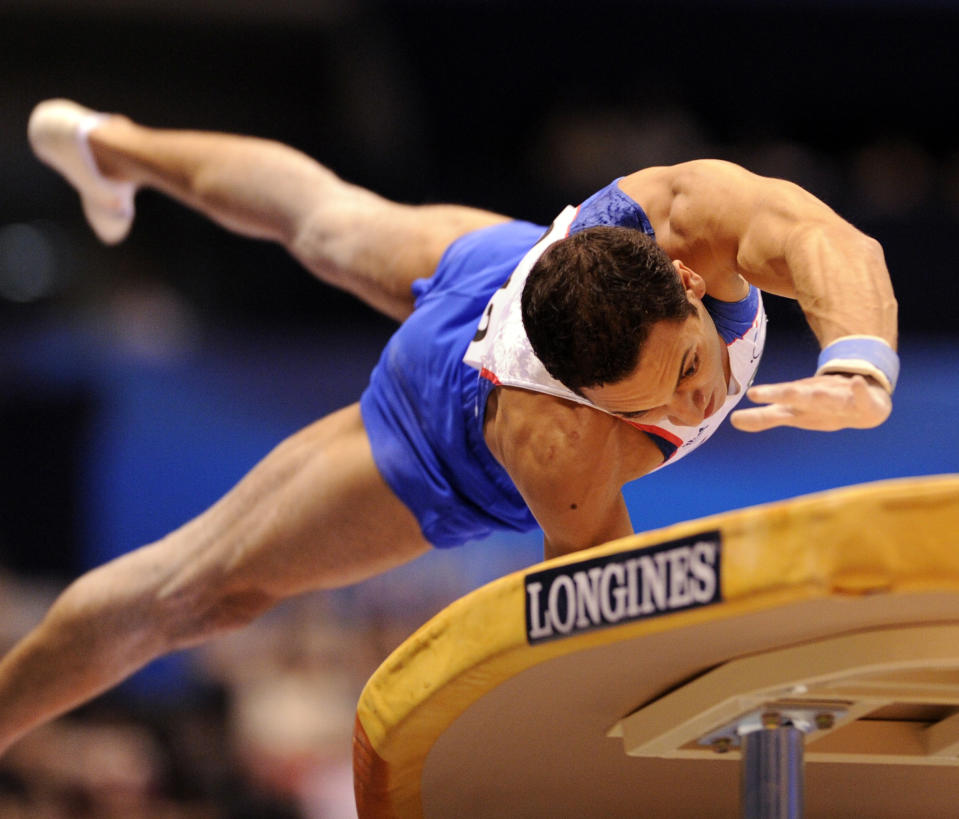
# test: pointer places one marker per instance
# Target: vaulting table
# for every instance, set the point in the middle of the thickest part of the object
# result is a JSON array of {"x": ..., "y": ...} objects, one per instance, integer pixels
[{"x": 796, "y": 658}]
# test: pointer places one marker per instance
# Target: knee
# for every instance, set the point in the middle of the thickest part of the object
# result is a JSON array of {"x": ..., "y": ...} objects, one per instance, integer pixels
[
  {"x": 215, "y": 614},
  {"x": 233, "y": 611},
  {"x": 325, "y": 245}
]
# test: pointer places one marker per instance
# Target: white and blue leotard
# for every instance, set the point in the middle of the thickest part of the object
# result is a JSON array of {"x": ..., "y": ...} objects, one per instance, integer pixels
[{"x": 425, "y": 405}]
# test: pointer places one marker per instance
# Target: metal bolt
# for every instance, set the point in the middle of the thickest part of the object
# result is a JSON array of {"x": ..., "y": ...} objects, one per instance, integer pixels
[
  {"x": 771, "y": 719},
  {"x": 722, "y": 744},
  {"x": 825, "y": 721}
]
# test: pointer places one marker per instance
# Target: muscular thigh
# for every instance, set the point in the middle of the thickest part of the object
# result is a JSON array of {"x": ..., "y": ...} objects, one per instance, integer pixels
[
  {"x": 376, "y": 248},
  {"x": 315, "y": 513}
]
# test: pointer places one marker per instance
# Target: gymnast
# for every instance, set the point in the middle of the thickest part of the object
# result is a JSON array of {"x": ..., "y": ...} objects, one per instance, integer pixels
[{"x": 534, "y": 373}]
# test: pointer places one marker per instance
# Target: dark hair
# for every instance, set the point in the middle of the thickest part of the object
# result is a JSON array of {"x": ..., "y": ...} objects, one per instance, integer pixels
[{"x": 591, "y": 299}]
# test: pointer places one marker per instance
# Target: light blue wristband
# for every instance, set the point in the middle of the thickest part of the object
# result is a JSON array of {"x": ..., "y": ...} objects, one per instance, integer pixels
[{"x": 863, "y": 355}]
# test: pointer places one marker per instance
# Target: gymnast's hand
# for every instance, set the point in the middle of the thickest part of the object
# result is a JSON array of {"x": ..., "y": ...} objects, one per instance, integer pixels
[{"x": 823, "y": 402}]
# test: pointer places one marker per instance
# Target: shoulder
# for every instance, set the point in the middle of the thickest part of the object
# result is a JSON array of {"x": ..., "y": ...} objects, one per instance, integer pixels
[
  {"x": 541, "y": 439},
  {"x": 699, "y": 210},
  {"x": 716, "y": 193},
  {"x": 569, "y": 462},
  {"x": 673, "y": 194},
  {"x": 546, "y": 429},
  {"x": 693, "y": 173}
]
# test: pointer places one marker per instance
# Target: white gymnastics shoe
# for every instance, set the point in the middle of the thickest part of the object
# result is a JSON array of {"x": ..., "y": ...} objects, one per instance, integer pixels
[{"x": 58, "y": 132}]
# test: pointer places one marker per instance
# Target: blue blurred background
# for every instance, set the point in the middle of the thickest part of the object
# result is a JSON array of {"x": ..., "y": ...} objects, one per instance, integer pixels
[{"x": 137, "y": 384}]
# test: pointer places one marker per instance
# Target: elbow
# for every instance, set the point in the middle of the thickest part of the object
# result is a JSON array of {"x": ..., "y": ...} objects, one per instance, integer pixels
[{"x": 889, "y": 306}]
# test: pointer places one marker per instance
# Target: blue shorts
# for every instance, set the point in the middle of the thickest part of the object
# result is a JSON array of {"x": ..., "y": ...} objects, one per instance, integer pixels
[{"x": 422, "y": 409}]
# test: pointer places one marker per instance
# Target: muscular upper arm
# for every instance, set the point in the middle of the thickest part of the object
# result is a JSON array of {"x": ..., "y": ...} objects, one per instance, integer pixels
[
  {"x": 725, "y": 221},
  {"x": 569, "y": 462}
]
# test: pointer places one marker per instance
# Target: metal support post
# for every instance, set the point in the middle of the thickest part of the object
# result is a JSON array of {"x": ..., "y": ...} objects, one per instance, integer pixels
[{"x": 772, "y": 772}]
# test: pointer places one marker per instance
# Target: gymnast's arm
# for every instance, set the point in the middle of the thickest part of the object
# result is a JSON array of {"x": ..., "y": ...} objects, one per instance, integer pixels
[
  {"x": 730, "y": 225},
  {"x": 569, "y": 462}
]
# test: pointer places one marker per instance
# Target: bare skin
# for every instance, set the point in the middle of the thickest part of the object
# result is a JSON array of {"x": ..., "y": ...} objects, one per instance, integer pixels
[
  {"x": 316, "y": 512},
  {"x": 345, "y": 235},
  {"x": 726, "y": 228}
]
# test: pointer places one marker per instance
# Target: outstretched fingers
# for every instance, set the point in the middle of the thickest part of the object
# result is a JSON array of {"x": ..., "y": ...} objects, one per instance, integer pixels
[{"x": 825, "y": 403}]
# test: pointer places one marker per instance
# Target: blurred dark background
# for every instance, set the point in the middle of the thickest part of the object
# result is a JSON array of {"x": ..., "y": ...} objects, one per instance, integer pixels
[
  {"x": 515, "y": 106},
  {"x": 138, "y": 383}
]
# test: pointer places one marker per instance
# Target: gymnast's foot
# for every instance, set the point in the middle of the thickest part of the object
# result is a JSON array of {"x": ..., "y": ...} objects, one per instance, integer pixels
[{"x": 59, "y": 132}]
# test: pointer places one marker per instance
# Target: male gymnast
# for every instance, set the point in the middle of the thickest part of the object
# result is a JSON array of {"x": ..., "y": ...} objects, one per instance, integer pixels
[{"x": 535, "y": 372}]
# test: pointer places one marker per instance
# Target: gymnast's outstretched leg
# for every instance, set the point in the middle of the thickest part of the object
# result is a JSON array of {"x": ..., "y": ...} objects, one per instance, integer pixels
[
  {"x": 316, "y": 513},
  {"x": 347, "y": 236}
]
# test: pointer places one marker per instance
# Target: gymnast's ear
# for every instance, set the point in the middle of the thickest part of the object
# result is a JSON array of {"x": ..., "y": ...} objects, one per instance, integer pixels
[{"x": 691, "y": 280}]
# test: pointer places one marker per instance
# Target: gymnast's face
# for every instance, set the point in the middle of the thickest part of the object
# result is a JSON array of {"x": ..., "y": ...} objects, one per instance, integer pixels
[{"x": 682, "y": 375}]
